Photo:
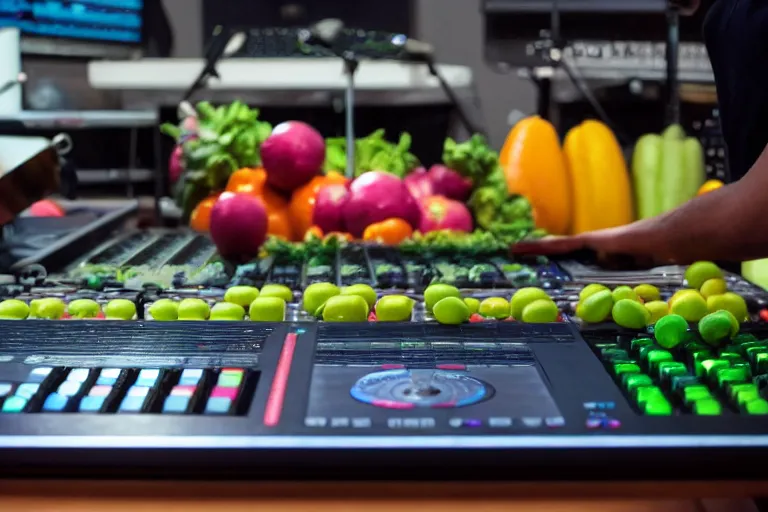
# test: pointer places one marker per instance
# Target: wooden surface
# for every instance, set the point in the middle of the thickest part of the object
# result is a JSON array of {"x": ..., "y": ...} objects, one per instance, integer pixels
[{"x": 85, "y": 496}]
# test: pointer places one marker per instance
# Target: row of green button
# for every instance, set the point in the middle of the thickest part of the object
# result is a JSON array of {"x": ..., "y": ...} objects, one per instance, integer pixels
[{"x": 728, "y": 372}]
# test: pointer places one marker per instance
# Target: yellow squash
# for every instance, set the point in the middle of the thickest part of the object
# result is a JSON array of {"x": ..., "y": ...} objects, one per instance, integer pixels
[
  {"x": 602, "y": 197},
  {"x": 534, "y": 167}
]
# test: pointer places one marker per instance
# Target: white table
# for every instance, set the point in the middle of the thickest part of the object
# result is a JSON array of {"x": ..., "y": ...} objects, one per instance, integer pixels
[{"x": 148, "y": 83}]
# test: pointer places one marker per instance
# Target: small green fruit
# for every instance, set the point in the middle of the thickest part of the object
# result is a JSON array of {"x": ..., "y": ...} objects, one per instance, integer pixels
[
  {"x": 34, "y": 306},
  {"x": 194, "y": 309},
  {"x": 362, "y": 290},
  {"x": 624, "y": 292},
  {"x": 83, "y": 308},
  {"x": 647, "y": 292},
  {"x": 494, "y": 307},
  {"x": 716, "y": 327},
  {"x": 394, "y": 308},
  {"x": 715, "y": 286},
  {"x": 523, "y": 297},
  {"x": 120, "y": 309},
  {"x": 729, "y": 301},
  {"x": 596, "y": 307},
  {"x": 630, "y": 314},
  {"x": 13, "y": 309},
  {"x": 267, "y": 309},
  {"x": 657, "y": 309},
  {"x": 451, "y": 311},
  {"x": 227, "y": 311},
  {"x": 345, "y": 308},
  {"x": 277, "y": 290},
  {"x": 542, "y": 311},
  {"x": 436, "y": 292},
  {"x": 164, "y": 310},
  {"x": 316, "y": 294},
  {"x": 670, "y": 331},
  {"x": 590, "y": 289},
  {"x": 691, "y": 306},
  {"x": 473, "y": 304},
  {"x": 50, "y": 308},
  {"x": 241, "y": 295},
  {"x": 700, "y": 272}
]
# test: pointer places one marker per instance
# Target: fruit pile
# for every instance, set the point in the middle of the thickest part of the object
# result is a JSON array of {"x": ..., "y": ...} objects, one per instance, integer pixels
[
  {"x": 243, "y": 181},
  {"x": 53, "y": 308},
  {"x": 707, "y": 299},
  {"x": 529, "y": 305}
]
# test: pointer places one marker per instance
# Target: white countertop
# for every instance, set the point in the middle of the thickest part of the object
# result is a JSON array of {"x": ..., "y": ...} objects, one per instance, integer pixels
[
  {"x": 270, "y": 74},
  {"x": 148, "y": 82}
]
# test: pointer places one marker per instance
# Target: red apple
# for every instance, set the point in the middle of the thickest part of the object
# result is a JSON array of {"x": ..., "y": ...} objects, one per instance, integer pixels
[{"x": 440, "y": 213}]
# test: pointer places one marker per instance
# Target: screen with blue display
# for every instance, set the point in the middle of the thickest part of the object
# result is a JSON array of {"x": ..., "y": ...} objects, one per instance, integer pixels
[{"x": 111, "y": 21}]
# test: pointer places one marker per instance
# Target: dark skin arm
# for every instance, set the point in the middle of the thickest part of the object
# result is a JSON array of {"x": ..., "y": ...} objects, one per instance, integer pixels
[{"x": 729, "y": 224}]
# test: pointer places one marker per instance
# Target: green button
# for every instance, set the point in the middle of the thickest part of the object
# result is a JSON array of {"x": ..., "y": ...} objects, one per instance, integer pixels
[
  {"x": 648, "y": 394},
  {"x": 742, "y": 349},
  {"x": 632, "y": 381},
  {"x": 731, "y": 376},
  {"x": 743, "y": 337},
  {"x": 614, "y": 354},
  {"x": 732, "y": 357},
  {"x": 230, "y": 380},
  {"x": 711, "y": 366},
  {"x": 745, "y": 396},
  {"x": 670, "y": 369},
  {"x": 14, "y": 404},
  {"x": 659, "y": 407},
  {"x": 644, "y": 351},
  {"x": 655, "y": 357},
  {"x": 602, "y": 346},
  {"x": 751, "y": 352},
  {"x": 761, "y": 363},
  {"x": 701, "y": 355},
  {"x": 683, "y": 381},
  {"x": 745, "y": 366},
  {"x": 694, "y": 393},
  {"x": 758, "y": 406},
  {"x": 639, "y": 343},
  {"x": 622, "y": 368},
  {"x": 707, "y": 407},
  {"x": 694, "y": 345}
]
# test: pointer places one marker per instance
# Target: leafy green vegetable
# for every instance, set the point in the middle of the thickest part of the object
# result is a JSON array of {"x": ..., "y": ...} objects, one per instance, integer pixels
[
  {"x": 228, "y": 138},
  {"x": 372, "y": 153}
]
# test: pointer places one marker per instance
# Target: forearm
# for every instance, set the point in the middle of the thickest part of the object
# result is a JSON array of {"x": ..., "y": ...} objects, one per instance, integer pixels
[{"x": 729, "y": 224}]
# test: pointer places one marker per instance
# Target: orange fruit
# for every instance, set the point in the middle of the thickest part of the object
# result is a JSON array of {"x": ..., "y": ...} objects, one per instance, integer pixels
[
  {"x": 247, "y": 181},
  {"x": 390, "y": 232},
  {"x": 709, "y": 186},
  {"x": 279, "y": 223},
  {"x": 200, "y": 219},
  {"x": 302, "y": 203}
]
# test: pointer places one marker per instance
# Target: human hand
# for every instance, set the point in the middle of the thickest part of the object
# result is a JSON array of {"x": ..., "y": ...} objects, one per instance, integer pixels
[{"x": 631, "y": 246}]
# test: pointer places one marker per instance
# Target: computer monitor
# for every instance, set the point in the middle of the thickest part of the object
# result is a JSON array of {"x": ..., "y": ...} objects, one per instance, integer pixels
[{"x": 78, "y": 28}]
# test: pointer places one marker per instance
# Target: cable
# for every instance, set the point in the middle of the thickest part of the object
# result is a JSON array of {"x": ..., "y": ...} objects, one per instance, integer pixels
[{"x": 555, "y": 54}]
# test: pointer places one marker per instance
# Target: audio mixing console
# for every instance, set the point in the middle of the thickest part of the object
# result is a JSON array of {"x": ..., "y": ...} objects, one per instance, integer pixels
[
  {"x": 367, "y": 400},
  {"x": 307, "y": 398}
]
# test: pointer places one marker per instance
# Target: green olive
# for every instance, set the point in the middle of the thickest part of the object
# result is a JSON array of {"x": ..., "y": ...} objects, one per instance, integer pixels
[
  {"x": 194, "y": 309},
  {"x": 120, "y": 309},
  {"x": 164, "y": 310},
  {"x": 13, "y": 309},
  {"x": 83, "y": 308}
]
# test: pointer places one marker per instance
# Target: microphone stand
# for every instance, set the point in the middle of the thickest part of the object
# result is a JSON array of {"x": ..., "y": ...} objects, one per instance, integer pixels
[
  {"x": 213, "y": 55},
  {"x": 351, "y": 63},
  {"x": 452, "y": 98},
  {"x": 672, "y": 57},
  {"x": 327, "y": 33}
]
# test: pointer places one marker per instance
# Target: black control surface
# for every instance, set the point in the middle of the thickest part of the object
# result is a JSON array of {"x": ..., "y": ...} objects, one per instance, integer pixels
[{"x": 363, "y": 400}]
